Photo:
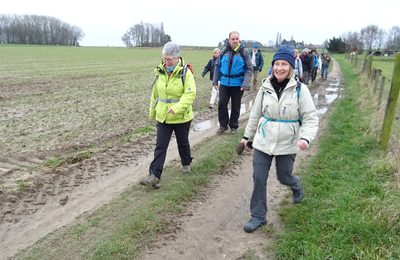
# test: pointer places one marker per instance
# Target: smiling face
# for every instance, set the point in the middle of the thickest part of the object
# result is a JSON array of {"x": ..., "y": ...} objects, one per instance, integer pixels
[{"x": 281, "y": 70}]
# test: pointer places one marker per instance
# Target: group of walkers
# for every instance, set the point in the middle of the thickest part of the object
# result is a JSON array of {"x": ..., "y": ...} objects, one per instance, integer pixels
[
  {"x": 310, "y": 63},
  {"x": 282, "y": 121}
]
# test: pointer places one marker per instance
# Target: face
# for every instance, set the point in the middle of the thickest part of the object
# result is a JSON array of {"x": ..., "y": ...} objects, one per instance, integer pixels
[
  {"x": 216, "y": 54},
  {"x": 281, "y": 70},
  {"x": 234, "y": 40},
  {"x": 170, "y": 60}
]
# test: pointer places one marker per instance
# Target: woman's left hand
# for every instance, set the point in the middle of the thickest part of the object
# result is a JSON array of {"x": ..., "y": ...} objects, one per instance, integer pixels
[{"x": 302, "y": 144}]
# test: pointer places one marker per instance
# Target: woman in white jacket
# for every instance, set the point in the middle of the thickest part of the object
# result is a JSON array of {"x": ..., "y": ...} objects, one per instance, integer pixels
[{"x": 283, "y": 120}]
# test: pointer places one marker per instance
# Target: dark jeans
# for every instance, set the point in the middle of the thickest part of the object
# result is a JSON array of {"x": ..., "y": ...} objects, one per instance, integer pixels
[
  {"x": 235, "y": 95},
  {"x": 164, "y": 133},
  {"x": 261, "y": 165}
]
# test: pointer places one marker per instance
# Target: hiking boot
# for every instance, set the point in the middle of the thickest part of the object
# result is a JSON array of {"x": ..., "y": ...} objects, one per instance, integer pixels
[
  {"x": 233, "y": 131},
  {"x": 221, "y": 130},
  {"x": 298, "y": 196},
  {"x": 253, "y": 224},
  {"x": 186, "y": 169},
  {"x": 151, "y": 180}
]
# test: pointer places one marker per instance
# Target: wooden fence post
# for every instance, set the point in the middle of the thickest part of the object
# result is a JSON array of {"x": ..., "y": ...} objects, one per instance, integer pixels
[
  {"x": 369, "y": 66},
  {"x": 381, "y": 92},
  {"x": 391, "y": 105}
]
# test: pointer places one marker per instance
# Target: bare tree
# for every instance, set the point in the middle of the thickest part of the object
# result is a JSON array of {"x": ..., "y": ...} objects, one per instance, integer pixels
[
  {"x": 353, "y": 42},
  {"x": 145, "y": 35},
  {"x": 370, "y": 36},
  {"x": 393, "y": 40},
  {"x": 34, "y": 29}
]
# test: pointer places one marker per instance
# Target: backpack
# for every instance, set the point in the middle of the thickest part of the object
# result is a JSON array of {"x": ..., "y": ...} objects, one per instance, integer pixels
[{"x": 184, "y": 71}]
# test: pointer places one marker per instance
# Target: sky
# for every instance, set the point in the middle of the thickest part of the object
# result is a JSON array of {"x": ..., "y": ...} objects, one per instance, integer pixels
[{"x": 207, "y": 22}]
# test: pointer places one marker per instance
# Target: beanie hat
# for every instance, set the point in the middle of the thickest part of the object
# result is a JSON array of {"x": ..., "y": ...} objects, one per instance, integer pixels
[
  {"x": 255, "y": 46},
  {"x": 284, "y": 52}
]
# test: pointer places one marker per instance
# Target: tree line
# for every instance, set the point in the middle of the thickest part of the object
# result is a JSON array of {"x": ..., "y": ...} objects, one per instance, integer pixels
[
  {"x": 37, "y": 29},
  {"x": 369, "y": 38},
  {"x": 145, "y": 35}
]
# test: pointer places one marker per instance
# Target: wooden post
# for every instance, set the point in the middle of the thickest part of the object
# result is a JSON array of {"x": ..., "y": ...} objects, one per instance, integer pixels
[
  {"x": 377, "y": 75},
  {"x": 381, "y": 92},
  {"x": 364, "y": 69},
  {"x": 355, "y": 63},
  {"x": 369, "y": 66},
  {"x": 391, "y": 105}
]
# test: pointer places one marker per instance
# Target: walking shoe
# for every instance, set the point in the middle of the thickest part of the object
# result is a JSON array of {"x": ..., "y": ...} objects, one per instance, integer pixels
[
  {"x": 233, "y": 131},
  {"x": 151, "y": 180},
  {"x": 211, "y": 106},
  {"x": 221, "y": 130},
  {"x": 186, "y": 169},
  {"x": 298, "y": 196},
  {"x": 253, "y": 224}
]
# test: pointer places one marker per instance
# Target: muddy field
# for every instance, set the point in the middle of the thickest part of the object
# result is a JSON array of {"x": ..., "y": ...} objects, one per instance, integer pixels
[{"x": 59, "y": 159}]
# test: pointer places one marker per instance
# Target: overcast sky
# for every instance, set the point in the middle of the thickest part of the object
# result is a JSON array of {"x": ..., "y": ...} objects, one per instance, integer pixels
[{"x": 206, "y": 22}]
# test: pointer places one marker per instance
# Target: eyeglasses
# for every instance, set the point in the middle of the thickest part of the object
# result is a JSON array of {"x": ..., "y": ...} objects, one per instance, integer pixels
[{"x": 169, "y": 59}]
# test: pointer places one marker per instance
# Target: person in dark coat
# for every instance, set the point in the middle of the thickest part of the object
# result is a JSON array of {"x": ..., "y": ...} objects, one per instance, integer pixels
[{"x": 210, "y": 68}]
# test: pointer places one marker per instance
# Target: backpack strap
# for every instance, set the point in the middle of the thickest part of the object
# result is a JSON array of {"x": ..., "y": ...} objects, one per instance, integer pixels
[
  {"x": 183, "y": 74},
  {"x": 298, "y": 89}
]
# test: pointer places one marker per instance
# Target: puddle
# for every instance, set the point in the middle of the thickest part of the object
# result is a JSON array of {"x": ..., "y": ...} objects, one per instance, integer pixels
[
  {"x": 209, "y": 124},
  {"x": 330, "y": 98},
  {"x": 332, "y": 89},
  {"x": 204, "y": 125},
  {"x": 322, "y": 111}
]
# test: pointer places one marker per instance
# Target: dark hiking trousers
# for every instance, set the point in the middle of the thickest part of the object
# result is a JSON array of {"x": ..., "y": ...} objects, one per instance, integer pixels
[
  {"x": 164, "y": 133},
  {"x": 261, "y": 165},
  {"x": 235, "y": 95}
]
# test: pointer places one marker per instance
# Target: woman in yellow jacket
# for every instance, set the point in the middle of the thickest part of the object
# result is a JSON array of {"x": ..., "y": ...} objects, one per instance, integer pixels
[{"x": 173, "y": 94}]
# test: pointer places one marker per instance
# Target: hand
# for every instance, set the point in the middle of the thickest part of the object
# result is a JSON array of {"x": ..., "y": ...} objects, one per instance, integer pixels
[
  {"x": 302, "y": 144},
  {"x": 241, "y": 146}
]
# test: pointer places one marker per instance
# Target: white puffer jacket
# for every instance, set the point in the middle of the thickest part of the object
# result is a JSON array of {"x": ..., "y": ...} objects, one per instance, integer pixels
[{"x": 273, "y": 124}]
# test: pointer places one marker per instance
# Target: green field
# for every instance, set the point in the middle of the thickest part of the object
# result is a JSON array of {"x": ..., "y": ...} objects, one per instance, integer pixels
[{"x": 55, "y": 99}]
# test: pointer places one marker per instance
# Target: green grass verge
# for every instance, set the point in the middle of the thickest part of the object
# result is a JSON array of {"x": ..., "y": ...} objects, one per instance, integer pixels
[
  {"x": 351, "y": 196},
  {"x": 121, "y": 229}
]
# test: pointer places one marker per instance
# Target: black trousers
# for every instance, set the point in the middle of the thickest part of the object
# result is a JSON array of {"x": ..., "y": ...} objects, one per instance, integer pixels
[
  {"x": 235, "y": 95},
  {"x": 164, "y": 133}
]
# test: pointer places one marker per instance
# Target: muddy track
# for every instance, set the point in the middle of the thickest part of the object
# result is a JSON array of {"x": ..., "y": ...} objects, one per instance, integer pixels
[{"x": 56, "y": 196}]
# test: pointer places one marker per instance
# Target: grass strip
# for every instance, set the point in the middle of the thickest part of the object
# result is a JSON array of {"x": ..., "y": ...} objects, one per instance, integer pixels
[{"x": 348, "y": 211}]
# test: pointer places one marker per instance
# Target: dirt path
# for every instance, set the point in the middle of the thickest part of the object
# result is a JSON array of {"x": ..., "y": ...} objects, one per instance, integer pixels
[{"x": 211, "y": 228}]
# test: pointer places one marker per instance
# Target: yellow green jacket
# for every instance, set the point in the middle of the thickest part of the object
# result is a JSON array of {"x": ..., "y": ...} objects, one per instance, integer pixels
[{"x": 170, "y": 92}]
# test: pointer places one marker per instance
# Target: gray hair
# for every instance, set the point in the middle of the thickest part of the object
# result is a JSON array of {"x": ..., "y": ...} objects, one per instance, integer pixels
[{"x": 171, "y": 48}]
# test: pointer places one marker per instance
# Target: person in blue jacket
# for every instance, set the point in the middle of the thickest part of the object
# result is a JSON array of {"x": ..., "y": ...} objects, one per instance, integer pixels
[{"x": 233, "y": 70}]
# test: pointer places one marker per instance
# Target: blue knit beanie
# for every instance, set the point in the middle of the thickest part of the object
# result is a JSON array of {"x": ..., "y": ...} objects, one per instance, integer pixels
[{"x": 284, "y": 52}]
